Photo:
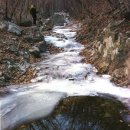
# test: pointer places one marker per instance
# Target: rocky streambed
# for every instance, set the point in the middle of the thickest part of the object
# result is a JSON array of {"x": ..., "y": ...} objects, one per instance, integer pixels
[{"x": 87, "y": 100}]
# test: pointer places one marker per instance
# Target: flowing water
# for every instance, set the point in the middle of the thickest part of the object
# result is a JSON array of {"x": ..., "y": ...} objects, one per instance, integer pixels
[{"x": 86, "y": 101}]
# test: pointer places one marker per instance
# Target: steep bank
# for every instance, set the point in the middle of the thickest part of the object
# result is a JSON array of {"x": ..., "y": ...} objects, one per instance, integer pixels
[{"x": 106, "y": 37}]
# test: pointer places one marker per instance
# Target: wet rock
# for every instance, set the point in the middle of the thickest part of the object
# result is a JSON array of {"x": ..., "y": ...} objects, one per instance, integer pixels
[
  {"x": 35, "y": 52},
  {"x": 13, "y": 28}
]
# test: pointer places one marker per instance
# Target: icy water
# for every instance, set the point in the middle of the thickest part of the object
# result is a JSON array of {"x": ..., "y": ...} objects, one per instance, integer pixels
[
  {"x": 87, "y": 101},
  {"x": 83, "y": 113}
]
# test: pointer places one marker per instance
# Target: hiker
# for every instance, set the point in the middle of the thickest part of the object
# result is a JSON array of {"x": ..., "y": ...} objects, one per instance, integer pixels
[{"x": 33, "y": 12}]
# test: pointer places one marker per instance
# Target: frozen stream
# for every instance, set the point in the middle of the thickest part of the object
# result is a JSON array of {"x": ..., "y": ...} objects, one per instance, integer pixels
[{"x": 59, "y": 76}]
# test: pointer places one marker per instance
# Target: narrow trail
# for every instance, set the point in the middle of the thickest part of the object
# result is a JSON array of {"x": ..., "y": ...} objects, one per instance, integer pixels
[{"x": 59, "y": 76}]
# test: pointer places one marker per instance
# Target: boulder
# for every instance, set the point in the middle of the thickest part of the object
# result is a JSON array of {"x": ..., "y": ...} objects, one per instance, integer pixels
[
  {"x": 58, "y": 19},
  {"x": 13, "y": 28}
]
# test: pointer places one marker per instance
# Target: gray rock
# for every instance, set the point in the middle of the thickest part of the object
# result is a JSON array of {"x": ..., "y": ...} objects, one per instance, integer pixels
[
  {"x": 24, "y": 66},
  {"x": 13, "y": 28},
  {"x": 3, "y": 25},
  {"x": 42, "y": 46},
  {"x": 58, "y": 19},
  {"x": 35, "y": 52}
]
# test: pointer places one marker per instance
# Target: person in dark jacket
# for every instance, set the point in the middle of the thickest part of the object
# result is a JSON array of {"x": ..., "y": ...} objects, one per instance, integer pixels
[{"x": 33, "y": 12}]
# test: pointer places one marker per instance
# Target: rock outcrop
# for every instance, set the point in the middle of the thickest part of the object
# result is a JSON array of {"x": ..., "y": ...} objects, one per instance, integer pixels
[
  {"x": 11, "y": 27},
  {"x": 107, "y": 44}
]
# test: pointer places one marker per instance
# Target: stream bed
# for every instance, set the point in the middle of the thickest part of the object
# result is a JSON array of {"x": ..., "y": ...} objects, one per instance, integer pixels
[{"x": 66, "y": 94}]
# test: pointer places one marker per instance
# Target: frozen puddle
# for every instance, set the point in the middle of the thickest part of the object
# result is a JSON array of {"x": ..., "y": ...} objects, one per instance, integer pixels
[{"x": 61, "y": 75}]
